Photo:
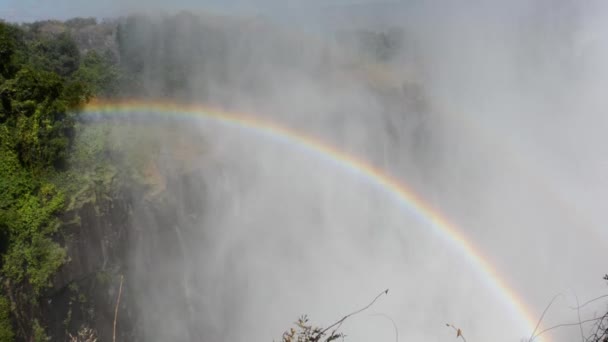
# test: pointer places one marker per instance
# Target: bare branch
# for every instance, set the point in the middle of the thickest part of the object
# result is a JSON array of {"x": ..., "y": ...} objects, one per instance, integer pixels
[
  {"x": 543, "y": 316},
  {"x": 458, "y": 332},
  {"x": 392, "y": 321},
  {"x": 566, "y": 325},
  {"x": 600, "y": 330},
  {"x": 589, "y": 302},
  {"x": 351, "y": 314},
  {"x": 578, "y": 313}
]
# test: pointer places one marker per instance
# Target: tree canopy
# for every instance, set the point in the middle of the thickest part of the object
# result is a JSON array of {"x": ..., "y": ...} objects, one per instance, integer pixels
[{"x": 42, "y": 84}]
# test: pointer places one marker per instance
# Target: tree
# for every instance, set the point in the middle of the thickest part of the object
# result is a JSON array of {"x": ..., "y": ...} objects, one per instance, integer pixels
[
  {"x": 7, "y": 49},
  {"x": 99, "y": 74},
  {"x": 10, "y": 42},
  {"x": 600, "y": 328},
  {"x": 58, "y": 54},
  {"x": 38, "y": 116},
  {"x": 37, "y": 99}
]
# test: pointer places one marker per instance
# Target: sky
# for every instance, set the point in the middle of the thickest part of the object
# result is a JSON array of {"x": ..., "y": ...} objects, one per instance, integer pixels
[{"x": 31, "y": 10}]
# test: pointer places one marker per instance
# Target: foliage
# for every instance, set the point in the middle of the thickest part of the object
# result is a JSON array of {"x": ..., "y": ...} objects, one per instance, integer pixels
[
  {"x": 44, "y": 81},
  {"x": 305, "y": 332},
  {"x": 85, "y": 334},
  {"x": 39, "y": 334},
  {"x": 58, "y": 54},
  {"x": 27, "y": 216},
  {"x": 36, "y": 112},
  {"x": 7, "y": 50},
  {"x": 6, "y": 329},
  {"x": 77, "y": 23},
  {"x": 38, "y": 99},
  {"x": 99, "y": 74}
]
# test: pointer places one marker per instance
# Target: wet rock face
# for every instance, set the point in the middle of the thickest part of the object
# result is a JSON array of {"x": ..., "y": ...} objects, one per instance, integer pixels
[
  {"x": 96, "y": 241},
  {"x": 144, "y": 239},
  {"x": 160, "y": 267},
  {"x": 84, "y": 291}
]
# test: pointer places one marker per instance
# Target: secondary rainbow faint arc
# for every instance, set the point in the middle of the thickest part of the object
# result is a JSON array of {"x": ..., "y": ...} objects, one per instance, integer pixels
[{"x": 399, "y": 191}]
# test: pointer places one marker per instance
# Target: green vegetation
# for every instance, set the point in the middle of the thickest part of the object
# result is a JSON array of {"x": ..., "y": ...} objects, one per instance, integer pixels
[
  {"x": 303, "y": 331},
  {"x": 39, "y": 334},
  {"x": 99, "y": 73},
  {"x": 52, "y": 164},
  {"x": 58, "y": 54},
  {"x": 6, "y": 330},
  {"x": 43, "y": 82}
]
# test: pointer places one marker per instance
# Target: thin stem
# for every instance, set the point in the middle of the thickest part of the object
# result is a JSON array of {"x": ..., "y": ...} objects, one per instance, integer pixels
[
  {"x": 351, "y": 314},
  {"x": 116, "y": 308},
  {"x": 543, "y": 316}
]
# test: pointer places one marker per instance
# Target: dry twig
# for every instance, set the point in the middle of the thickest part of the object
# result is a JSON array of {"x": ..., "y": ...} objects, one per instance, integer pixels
[
  {"x": 392, "y": 321},
  {"x": 543, "y": 316},
  {"x": 338, "y": 323},
  {"x": 578, "y": 314},
  {"x": 589, "y": 302},
  {"x": 566, "y": 325},
  {"x": 116, "y": 309},
  {"x": 458, "y": 332}
]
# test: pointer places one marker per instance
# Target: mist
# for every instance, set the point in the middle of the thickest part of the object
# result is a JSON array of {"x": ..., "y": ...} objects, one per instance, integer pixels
[{"x": 493, "y": 112}]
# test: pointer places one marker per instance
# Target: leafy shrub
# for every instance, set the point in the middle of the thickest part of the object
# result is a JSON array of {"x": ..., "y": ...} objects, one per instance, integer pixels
[{"x": 306, "y": 332}]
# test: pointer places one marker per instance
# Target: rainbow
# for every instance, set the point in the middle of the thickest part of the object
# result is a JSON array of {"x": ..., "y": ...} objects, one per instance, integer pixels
[{"x": 400, "y": 192}]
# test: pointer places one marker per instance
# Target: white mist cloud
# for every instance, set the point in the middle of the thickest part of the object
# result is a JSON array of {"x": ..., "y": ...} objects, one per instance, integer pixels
[{"x": 509, "y": 145}]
